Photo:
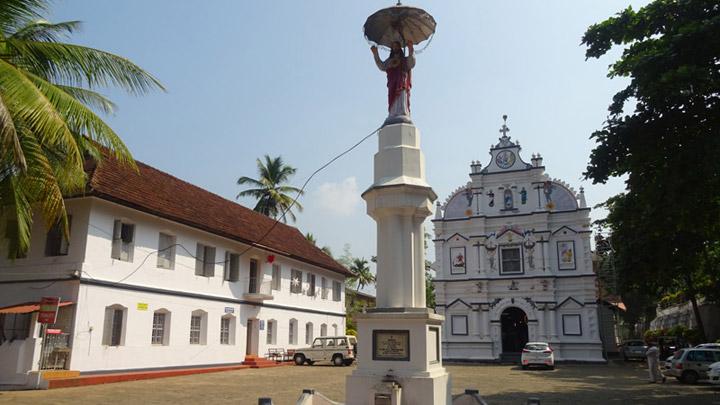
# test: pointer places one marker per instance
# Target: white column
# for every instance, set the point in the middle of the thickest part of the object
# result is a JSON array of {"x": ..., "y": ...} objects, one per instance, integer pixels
[
  {"x": 419, "y": 261},
  {"x": 546, "y": 257},
  {"x": 541, "y": 324},
  {"x": 553, "y": 325}
]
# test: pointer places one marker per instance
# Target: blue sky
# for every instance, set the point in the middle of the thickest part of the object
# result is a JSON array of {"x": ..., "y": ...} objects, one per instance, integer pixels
[{"x": 296, "y": 78}]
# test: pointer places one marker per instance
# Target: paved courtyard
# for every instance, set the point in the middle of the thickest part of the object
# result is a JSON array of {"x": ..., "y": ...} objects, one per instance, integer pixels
[{"x": 616, "y": 383}]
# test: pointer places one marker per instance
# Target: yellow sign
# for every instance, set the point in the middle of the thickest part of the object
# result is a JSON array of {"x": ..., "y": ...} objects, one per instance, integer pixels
[{"x": 142, "y": 306}]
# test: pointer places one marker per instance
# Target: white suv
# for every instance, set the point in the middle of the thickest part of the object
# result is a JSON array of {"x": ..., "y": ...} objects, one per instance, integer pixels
[{"x": 339, "y": 350}]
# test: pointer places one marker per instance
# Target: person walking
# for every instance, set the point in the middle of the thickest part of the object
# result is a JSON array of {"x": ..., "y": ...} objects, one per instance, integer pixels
[{"x": 652, "y": 354}]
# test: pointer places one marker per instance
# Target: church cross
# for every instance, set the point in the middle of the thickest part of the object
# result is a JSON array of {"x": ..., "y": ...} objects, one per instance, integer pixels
[{"x": 504, "y": 128}]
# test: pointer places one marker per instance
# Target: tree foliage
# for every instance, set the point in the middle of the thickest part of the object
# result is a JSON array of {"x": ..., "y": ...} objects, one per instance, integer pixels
[
  {"x": 48, "y": 123},
  {"x": 270, "y": 189},
  {"x": 666, "y": 226}
]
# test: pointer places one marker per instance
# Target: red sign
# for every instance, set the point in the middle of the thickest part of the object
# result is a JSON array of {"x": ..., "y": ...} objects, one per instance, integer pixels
[
  {"x": 48, "y": 309},
  {"x": 53, "y": 331},
  {"x": 271, "y": 258}
]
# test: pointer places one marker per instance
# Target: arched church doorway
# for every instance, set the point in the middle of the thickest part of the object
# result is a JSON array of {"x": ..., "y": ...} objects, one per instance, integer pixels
[{"x": 514, "y": 327}]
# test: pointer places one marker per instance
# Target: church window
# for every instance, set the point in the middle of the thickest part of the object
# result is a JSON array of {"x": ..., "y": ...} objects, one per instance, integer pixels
[
  {"x": 508, "y": 199},
  {"x": 571, "y": 325},
  {"x": 55, "y": 243},
  {"x": 459, "y": 324},
  {"x": 511, "y": 260}
]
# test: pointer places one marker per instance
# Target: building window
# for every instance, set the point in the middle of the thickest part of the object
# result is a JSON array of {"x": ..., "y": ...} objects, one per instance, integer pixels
[
  {"x": 571, "y": 325},
  {"x": 160, "y": 327},
  {"x": 459, "y": 324},
  {"x": 14, "y": 327},
  {"x": 323, "y": 288},
  {"x": 292, "y": 332},
  {"x": 271, "y": 327},
  {"x": 227, "y": 330},
  {"x": 311, "y": 284},
  {"x": 510, "y": 260},
  {"x": 337, "y": 290},
  {"x": 166, "y": 251},
  {"x": 198, "y": 327},
  {"x": 335, "y": 329},
  {"x": 204, "y": 260},
  {"x": 123, "y": 243},
  {"x": 276, "y": 274},
  {"x": 308, "y": 333},
  {"x": 56, "y": 244},
  {"x": 296, "y": 281},
  {"x": 114, "y": 329},
  {"x": 231, "y": 267},
  {"x": 323, "y": 330}
]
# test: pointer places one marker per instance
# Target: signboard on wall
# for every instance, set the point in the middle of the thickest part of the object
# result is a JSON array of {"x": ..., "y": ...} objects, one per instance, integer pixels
[
  {"x": 48, "y": 309},
  {"x": 142, "y": 306},
  {"x": 229, "y": 310}
]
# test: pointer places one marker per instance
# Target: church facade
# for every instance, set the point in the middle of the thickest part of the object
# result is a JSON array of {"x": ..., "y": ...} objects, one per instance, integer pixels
[{"x": 513, "y": 263}]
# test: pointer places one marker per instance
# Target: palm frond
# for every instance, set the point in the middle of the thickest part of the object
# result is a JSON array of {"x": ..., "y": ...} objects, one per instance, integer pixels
[
  {"x": 45, "y": 31},
  {"x": 15, "y": 12},
  {"x": 35, "y": 110},
  {"x": 12, "y": 152},
  {"x": 80, "y": 66},
  {"x": 244, "y": 180},
  {"x": 90, "y": 98},
  {"x": 81, "y": 120}
]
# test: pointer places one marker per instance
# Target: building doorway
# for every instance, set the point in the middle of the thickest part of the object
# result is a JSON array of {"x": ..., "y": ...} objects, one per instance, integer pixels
[
  {"x": 514, "y": 328},
  {"x": 253, "y": 337}
]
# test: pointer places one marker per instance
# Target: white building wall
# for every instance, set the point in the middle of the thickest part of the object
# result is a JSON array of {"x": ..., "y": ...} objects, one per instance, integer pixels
[{"x": 100, "y": 281}]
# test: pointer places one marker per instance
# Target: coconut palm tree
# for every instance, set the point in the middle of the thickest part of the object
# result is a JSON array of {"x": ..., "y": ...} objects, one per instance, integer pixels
[
  {"x": 48, "y": 120},
  {"x": 270, "y": 189},
  {"x": 362, "y": 275}
]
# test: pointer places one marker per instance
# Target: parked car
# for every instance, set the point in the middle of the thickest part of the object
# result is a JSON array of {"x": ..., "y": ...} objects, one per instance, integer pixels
[
  {"x": 715, "y": 346},
  {"x": 339, "y": 350},
  {"x": 537, "y": 353},
  {"x": 714, "y": 373},
  {"x": 668, "y": 363},
  {"x": 691, "y": 365},
  {"x": 633, "y": 349}
]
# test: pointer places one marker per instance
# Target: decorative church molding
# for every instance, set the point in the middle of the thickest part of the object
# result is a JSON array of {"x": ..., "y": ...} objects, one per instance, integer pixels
[{"x": 505, "y": 303}]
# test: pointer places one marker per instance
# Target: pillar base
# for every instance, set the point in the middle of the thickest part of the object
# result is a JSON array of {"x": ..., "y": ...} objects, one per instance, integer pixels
[{"x": 399, "y": 356}]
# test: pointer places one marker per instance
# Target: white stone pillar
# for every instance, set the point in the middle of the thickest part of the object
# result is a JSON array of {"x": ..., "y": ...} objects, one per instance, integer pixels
[
  {"x": 546, "y": 256},
  {"x": 541, "y": 324}
]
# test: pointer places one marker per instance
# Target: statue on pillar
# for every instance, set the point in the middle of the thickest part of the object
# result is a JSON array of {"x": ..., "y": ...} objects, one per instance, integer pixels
[
  {"x": 395, "y": 28},
  {"x": 398, "y": 68}
]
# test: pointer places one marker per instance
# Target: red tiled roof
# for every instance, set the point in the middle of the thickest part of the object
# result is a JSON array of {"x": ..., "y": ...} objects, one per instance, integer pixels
[{"x": 158, "y": 193}]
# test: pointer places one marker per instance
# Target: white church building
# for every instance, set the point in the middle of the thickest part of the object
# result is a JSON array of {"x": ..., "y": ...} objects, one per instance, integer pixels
[
  {"x": 158, "y": 273},
  {"x": 513, "y": 263}
]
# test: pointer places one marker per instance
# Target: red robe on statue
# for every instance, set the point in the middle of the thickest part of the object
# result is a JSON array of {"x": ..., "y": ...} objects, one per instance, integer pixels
[{"x": 399, "y": 78}]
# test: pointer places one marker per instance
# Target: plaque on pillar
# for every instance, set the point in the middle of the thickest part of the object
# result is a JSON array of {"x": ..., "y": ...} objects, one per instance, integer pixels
[{"x": 391, "y": 345}]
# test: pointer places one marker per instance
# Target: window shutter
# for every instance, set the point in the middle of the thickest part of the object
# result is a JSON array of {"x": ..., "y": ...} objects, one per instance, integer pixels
[
  {"x": 65, "y": 242},
  {"x": 226, "y": 267},
  {"x": 199, "y": 259},
  {"x": 116, "y": 240},
  {"x": 107, "y": 327},
  {"x": 131, "y": 241},
  {"x": 210, "y": 262}
]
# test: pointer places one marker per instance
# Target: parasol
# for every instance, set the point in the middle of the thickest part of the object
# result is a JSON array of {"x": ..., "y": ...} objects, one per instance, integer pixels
[{"x": 399, "y": 23}]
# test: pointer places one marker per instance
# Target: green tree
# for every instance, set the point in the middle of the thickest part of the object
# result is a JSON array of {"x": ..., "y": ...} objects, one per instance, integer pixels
[
  {"x": 362, "y": 275},
  {"x": 667, "y": 222},
  {"x": 48, "y": 123},
  {"x": 271, "y": 190},
  {"x": 311, "y": 238}
]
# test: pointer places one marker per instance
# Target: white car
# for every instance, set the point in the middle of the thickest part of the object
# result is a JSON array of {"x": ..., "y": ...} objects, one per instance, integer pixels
[
  {"x": 338, "y": 350},
  {"x": 714, "y": 373},
  {"x": 537, "y": 353}
]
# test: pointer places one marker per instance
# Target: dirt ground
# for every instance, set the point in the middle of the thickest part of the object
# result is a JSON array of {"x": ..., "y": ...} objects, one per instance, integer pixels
[{"x": 615, "y": 383}]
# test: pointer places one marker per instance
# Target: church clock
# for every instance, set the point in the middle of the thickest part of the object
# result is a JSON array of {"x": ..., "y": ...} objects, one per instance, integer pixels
[{"x": 505, "y": 159}]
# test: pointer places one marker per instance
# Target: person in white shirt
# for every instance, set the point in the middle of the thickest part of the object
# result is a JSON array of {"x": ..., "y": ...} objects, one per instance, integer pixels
[{"x": 652, "y": 355}]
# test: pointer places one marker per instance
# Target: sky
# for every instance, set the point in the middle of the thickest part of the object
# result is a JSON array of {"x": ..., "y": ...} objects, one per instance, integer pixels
[{"x": 296, "y": 79}]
